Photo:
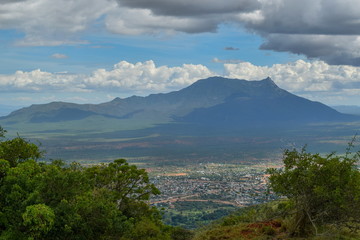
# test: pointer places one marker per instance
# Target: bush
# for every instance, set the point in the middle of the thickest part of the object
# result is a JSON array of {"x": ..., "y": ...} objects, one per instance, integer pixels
[{"x": 322, "y": 189}]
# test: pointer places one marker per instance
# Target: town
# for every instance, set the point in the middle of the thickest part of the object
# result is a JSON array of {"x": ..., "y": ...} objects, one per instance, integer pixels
[{"x": 228, "y": 186}]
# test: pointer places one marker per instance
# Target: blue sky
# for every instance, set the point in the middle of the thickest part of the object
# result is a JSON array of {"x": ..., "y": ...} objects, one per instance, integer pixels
[
  {"x": 92, "y": 51},
  {"x": 103, "y": 51}
]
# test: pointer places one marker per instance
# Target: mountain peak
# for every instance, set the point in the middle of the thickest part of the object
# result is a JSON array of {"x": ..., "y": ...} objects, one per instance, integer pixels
[
  {"x": 268, "y": 79},
  {"x": 217, "y": 80}
]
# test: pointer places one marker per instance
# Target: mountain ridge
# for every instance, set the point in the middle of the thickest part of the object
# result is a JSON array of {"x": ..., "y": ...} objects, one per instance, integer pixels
[{"x": 213, "y": 101}]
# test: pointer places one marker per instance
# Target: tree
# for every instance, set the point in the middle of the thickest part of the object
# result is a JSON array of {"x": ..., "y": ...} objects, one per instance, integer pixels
[
  {"x": 322, "y": 189},
  {"x": 2, "y": 132},
  {"x": 18, "y": 150},
  {"x": 58, "y": 201},
  {"x": 39, "y": 219},
  {"x": 125, "y": 182}
]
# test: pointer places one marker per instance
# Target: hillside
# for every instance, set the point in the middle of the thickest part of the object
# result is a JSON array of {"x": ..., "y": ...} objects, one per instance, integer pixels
[
  {"x": 355, "y": 110},
  {"x": 214, "y": 100},
  {"x": 6, "y": 110},
  {"x": 210, "y": 119},
  {"x": 318, "y": 201},
  {"x": 264, "y": 104}
]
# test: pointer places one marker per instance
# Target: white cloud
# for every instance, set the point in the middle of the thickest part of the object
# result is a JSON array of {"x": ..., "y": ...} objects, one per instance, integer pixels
[
  {"x": 143, "y": 21},
  {"x": 316, "y": 80},
  {"x": 38, "y": 80},
  {"x": 47, "y": 23},
  {"x": 330, "y": 17},
  {"x": 326, "y": 30},
  {"x": 145, "y": 77},
  {"x": 125, "y": 77}
]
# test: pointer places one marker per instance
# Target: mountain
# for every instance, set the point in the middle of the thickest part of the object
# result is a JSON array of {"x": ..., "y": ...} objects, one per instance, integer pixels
[
  {"x": 214, "y": 118},
  {"x": 263, "y": 103},
  {"x": 347, "y": 109},
  {"x": 215, "y": 101},
  {"x": 5, "y": 109}
]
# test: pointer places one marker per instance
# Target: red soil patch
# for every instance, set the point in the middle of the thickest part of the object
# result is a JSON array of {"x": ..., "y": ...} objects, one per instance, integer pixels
[
  {"x": 247, "y": 233},
  {"x": 254, "y": 229},
  {"x": 274, "y": 224}
]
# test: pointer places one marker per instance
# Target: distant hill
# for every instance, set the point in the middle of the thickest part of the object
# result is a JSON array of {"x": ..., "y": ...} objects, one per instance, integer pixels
[
  {"x": 6, "y": 110},
  {"x": 263, "y": 103},
  {"x": 348, "y": 109},
  {"x": 213, "y": 119},
  {"x": 214, "y": 101}
]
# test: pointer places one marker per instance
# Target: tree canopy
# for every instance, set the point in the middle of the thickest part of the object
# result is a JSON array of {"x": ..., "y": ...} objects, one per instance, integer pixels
[
  {"x": 55, "y": 200},
  {"x": 322, "y": 189}
]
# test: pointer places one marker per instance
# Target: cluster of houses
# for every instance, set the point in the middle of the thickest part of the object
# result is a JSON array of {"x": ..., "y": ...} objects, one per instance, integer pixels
[{"x": 236, "y": 185}]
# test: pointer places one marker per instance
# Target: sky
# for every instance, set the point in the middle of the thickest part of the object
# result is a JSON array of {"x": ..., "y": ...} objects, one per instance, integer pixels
[{"x": 91, "y": 51}]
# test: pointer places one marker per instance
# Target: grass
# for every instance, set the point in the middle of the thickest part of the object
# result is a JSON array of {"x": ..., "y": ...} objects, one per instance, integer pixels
[
  {"x": 76, "y": 128},
  {"x": 193, "y": 214},
  {"x": 267, "y": 221},
  {"x": 127, "y": 138}
]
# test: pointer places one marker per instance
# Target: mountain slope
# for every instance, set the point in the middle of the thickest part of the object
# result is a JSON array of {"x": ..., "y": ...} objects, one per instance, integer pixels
[
  {"x": 214, "y": 101},
  {"x": 268, "y": 106},
  {"x": 355, "y": 110}
]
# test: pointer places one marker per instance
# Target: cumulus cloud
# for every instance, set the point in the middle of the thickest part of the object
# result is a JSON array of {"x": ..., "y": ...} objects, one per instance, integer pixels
[
  {"x": 172, "y": 16},
  {"x": 192, "y": 8},
  {"x": 326, "y": 30},
  {"x": 143, "y": 78},
  {"x": 316, "y": 80},
  {"x": 38, "y": 80},
  {"x": 147, "y": 76},
  {"x": 46, "y": 23},
  {"x": 10, "y": 1},
  {"x": 143, "y": 21},
  {"x": 335, "y": 49},
  {"x": 331, "y": 17}
]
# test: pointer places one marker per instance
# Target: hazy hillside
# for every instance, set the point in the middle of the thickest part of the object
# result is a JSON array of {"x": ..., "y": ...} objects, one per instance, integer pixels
[
  {"x": 263, "y": 103},
  {"x": 348, "y": 109},
  {"x": 214, "y": 100},
  {"x": 211, "y": 118},
  {"x": 6, "y": 110}
]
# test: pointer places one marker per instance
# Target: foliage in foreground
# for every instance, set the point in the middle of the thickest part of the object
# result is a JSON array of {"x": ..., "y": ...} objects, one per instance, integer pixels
[
  {"x": 322, "y": 202},
  {"x": 58, "y": 201},
  {"x": 323, "y": 190},
  {"x": 266, "y": 221}
]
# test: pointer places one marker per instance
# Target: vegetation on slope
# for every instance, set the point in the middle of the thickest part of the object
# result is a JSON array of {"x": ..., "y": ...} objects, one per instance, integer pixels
[
  {"x": 58, "y": 201},
  {"x": 322, "y": 201}
]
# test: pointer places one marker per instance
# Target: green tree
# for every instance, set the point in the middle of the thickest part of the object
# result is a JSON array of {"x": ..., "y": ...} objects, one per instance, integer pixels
[
  {"x": 68, "y": 201},
  {"x": 146, "y": 229},
  {"x": 127, "y": 185},
  {"x": 2, "y": 132},
  {"x": 322, "y": 189},
  {"x": 18, "y": 150},
  {"x": 38, "y": 219}
]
